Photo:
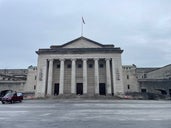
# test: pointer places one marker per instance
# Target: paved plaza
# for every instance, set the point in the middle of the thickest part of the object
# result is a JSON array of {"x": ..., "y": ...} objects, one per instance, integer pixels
[{"x": 80, "y": 113}]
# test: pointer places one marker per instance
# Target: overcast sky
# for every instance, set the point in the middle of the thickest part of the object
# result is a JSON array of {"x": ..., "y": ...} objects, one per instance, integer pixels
[{"x": 142, "y": 28}]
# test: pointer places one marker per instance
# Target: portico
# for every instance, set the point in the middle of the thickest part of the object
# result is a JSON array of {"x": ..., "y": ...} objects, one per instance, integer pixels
[{"x": 80, "y": 67}]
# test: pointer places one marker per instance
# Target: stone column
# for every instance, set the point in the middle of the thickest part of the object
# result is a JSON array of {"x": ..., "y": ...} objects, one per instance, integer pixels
[
  {"x": 96, "y": 75},
  {"x": 50, "y": 78},
  {"x": 73, "y": 78},
  {"x": 108, "y": 76},
  {"x": 114, "y": 76},
  {"x": 61, "y": 79},
  {"x": 84, "y": 76},
  {"x": 44, "y": 77}
]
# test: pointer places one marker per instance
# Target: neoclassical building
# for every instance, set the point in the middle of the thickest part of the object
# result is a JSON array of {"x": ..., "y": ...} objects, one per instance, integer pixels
[{"x": 79, "y": 67}]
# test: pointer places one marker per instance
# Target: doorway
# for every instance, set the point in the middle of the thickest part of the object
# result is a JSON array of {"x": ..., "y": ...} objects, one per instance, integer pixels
[
  {"x": 79, "y": 90},
  {"x": 170, "y": 92},
  {"x": 102, "y": 89},
  {"x": 56, "y": 89}
]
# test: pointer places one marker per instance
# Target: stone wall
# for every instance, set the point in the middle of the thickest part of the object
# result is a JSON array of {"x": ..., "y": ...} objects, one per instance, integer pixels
[
  {"x": 142, "y": 72},
  {"x": 130, "y": 78},
  {"x": 162, "y": 73},
  {"x": 20, "y": 80},
  {"x": 12, "y": 85},
  {"x": 90, "y": 78},
  {"x": 30, "y": 85},
  {"x": 43, "y": 68},
  {"x": 156, "y": 86},
  {"x": 13, "y": 79},
  {"x": 67, "y": 77},
  {"x": 155, "y": 80}
]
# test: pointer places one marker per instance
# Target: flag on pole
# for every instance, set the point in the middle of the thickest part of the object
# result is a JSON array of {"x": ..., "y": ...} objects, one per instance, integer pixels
[{"x": 83, "y": 20}]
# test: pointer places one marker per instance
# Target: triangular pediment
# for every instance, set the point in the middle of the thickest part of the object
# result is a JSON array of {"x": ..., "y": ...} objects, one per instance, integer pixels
[{"x": 82, "y": 42}]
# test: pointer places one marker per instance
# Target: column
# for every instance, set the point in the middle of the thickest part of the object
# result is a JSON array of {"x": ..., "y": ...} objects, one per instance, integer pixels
[
  {"x": 84, "y": 76},
  {"x": 73, "y": 78},
  {"x": 61, "y": 78},
  {"x": 96, "y": 75},
  {"x": 41, "y": 90},
  {"x": 50, "y": 78},
  {"x": 44, "y": 76},
  {"x": 114, "y": 76},
  {"x": 108, "y": 76}
]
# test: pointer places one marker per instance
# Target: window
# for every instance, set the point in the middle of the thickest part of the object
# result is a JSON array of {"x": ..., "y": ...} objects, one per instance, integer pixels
[
  {"x": 69, "y": 66},
  {"x": 127, "y": 76},
  {"x": 101, "y": 65},
  {"x": 58, "y": 66},
  {"x": 35, "y": 77},
  {"x": 79, "y": 65},
  {"x": 143, "y": 90},
  {"x": 145, "y": 75},
  {"x": 170, "y": 92},
  {"x": 128, "y": 86},
  {"x": 34, "y": 87},
  {"x": 90, "y": 65}
]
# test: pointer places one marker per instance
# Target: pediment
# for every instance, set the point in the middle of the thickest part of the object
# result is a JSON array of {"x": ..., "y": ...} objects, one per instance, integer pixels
[{"x": 82, "y": 42}]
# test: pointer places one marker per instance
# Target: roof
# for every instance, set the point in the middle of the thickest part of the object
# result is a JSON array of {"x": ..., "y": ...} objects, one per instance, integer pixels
[
  {"x": 82, "y": 38},
  {"x": 80, "y": 45}
]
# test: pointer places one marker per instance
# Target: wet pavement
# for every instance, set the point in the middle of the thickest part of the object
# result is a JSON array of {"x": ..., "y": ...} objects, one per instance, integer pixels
[{"x": 79, "y": 113}]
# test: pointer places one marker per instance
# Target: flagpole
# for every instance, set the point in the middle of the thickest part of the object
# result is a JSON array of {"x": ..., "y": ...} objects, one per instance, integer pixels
[
  {"x": 81, "y": 28},
  {"x": 82, "y": 22}
]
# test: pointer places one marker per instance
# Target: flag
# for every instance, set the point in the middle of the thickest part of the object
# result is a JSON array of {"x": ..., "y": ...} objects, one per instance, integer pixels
[{"x": 83, "y": 20}]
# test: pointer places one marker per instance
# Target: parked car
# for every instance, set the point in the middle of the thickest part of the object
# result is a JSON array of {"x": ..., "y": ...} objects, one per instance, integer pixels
[
  {"x": 4, "y": 92},
  {"x": 12, "y": 97}
]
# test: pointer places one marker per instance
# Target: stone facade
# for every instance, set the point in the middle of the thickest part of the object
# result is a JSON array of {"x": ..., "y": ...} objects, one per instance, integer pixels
[
  {"x": 30, "y": 85},
  {"x": 150, "y": 80},
  {"x": 20, "y": 80},
  {"x": 85, "y": 67},
  {"x": 130, "y": 79},
  {"x": 160, "y": 73},
  {"x": 13, "y": 79},
  {"x": 156, "y": 80},
  {"x": 147, "y": 80},
  {"x": 82, "y": 67}
]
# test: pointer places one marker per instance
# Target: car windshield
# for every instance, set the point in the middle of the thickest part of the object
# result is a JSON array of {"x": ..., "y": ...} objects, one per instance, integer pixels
[
  {"x": 9, "y": 94},
  {"x": 4, "y": 92}
]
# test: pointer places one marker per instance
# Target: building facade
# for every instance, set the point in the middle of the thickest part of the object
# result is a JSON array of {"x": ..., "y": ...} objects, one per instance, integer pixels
[
  {"x": 20, "y": 80},
  {"x": 79, "y": 67},
  {"x": 155, "y": 80},
  {"x": 31, "y": 81},
  {"x": 85, "y": 67},
  {"x": 13, "y": 79},
  {"x": 130, "y": 80}
]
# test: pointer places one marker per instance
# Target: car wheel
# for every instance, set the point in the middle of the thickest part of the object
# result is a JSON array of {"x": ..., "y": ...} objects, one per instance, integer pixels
[
  {"x": 11, "y": 101},
  {"x": 3, "y": 102}
]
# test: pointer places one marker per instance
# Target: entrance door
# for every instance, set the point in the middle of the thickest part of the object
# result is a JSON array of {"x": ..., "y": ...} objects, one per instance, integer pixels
[
  {"x": 56, "y": 89},
  {"x": 79, "y": 89},
  {"x": 170, "y": 92},
  {"x": 102, "y": 89}
]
